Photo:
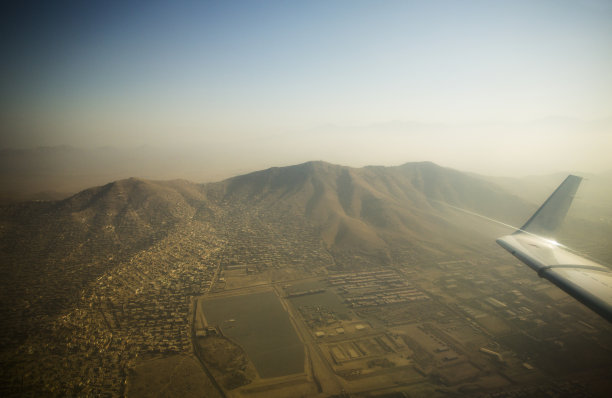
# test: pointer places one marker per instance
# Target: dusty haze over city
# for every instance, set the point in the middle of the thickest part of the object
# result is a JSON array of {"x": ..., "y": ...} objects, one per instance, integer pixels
[{"x": 208, "y": 90}]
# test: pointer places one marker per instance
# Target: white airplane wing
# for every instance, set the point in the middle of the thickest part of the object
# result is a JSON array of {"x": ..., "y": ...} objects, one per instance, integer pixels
[{"x": 534, "y": 244}]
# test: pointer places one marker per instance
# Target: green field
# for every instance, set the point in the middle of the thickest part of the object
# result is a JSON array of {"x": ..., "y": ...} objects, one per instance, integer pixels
[{"x": 260, "y": 324}]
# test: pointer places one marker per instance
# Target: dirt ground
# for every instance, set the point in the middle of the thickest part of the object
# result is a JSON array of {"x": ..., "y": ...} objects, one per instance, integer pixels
[{"x": 174, "y": 376}]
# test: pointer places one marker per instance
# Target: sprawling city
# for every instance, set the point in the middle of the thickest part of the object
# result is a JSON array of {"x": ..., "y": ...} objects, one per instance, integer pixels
[{"x": 227, "y": 299}]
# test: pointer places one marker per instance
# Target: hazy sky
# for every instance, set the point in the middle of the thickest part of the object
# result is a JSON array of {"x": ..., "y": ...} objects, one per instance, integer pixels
[{"x": 489, "y": 86}]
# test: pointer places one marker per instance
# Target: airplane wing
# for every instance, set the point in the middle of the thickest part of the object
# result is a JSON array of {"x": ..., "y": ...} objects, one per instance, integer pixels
[{"x": 534, "y": 244}]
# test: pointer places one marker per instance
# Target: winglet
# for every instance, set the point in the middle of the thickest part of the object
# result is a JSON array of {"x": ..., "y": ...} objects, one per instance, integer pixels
[{"x": 551, "y": 214}]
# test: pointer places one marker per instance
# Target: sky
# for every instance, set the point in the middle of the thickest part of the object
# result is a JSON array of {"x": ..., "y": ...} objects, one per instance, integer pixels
[{"x": 496, "y": 87}]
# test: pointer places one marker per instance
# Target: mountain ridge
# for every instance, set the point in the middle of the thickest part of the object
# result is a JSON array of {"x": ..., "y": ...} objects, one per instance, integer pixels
[{"x": 349, "y": 207}]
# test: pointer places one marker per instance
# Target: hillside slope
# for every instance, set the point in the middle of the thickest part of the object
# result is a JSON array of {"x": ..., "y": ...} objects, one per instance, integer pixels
[
  {"x": 52, "y": 250},
  {"x": 373, "y": 209}
]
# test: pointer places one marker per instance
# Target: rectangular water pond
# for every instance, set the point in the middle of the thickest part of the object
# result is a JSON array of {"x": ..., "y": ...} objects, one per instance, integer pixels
[{"x": 260, "y": 324}]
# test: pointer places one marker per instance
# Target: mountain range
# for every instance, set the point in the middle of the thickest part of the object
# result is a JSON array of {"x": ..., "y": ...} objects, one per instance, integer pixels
[
  {"x": 315, "y": 217},
  {"x": 365, "y": 216},
  {"x": 376, "y": 211},
  {"x": 361, "y": 216}
]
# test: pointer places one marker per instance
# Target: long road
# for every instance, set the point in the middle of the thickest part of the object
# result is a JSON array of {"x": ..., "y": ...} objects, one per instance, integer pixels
[
  {"x": 194, "y": 341},
  {"x": 197, "y": 353},
  {"x": 324, "y": 376}
]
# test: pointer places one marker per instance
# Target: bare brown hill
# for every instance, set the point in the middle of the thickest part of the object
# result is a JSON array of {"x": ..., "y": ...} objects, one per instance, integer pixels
[
  {"x": 51, "y": 250},
  {"x": 120, "y": 216},
  {"x": 373, "y": 209}
]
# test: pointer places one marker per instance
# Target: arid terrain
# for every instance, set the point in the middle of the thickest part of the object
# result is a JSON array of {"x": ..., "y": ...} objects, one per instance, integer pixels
[{"x": 310, "y": 280}]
